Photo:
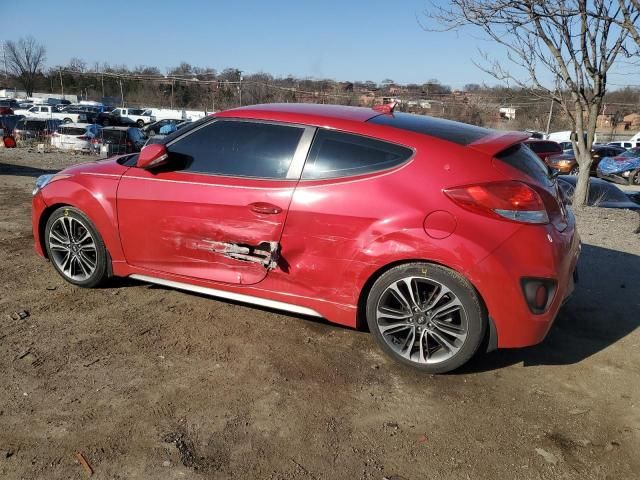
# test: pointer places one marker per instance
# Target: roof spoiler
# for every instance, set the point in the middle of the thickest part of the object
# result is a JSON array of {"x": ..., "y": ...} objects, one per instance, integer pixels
[{"x": 498, "y": 141}]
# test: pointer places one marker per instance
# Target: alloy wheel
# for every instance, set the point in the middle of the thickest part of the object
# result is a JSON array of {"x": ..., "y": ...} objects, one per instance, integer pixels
[
  {"x": 421, "y": 320},
  {"x": 73, "y": 248}
]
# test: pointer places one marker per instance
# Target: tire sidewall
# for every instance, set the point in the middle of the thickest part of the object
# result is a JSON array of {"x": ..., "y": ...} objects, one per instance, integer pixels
[
  {"x": 100, "y": 272},
  {"x": 462, "y": 288}
]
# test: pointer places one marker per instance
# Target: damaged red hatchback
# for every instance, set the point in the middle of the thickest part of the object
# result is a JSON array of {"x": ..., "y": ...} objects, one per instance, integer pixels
[{"x": 443, "y": 238}]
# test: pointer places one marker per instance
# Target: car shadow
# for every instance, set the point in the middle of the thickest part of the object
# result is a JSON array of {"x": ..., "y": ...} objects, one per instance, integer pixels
[
  {"x": 23, "y": 171},
  {"x": 603, "y": 309}
]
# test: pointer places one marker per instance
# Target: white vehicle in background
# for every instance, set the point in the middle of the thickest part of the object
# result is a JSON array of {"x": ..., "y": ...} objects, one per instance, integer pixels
[
  {"x": 138, "y": 115},
  {"x": 75, "y": 136},
  {"x": 47, "y": 111},
  {"x": 173, "y": 114}
]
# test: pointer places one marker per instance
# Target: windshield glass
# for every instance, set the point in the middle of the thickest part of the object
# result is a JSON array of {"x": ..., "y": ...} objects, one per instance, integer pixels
[{"x": 634, "y": 152}]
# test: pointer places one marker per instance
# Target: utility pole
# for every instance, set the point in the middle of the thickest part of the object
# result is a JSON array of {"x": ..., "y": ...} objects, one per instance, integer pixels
[
  {"x": 240, "y": 86},
  {"x": 61, "y": 84},
  {"x": 121, "y": 94},
  {"x": 549, "y": 119},
  {"x": 172, "y": 82},
  {"x": 4, "y": 54}
]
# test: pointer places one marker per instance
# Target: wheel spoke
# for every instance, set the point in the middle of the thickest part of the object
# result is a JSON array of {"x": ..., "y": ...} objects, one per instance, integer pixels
[
  {"x": 443, "y": 341},
  {"x": 424, "y": 349},
  {"x": 409, "y": 283},
  {"x": 450, "y": 329},
  {"x": 84, "y": 260},
  {"x": 448, "y": 308},
  {"x": 392, "y": 313},
  {"x": 395, "y": 291},
  {"x": 407, "y": 346},
  {"x": 57, "y": 237},
  {"x": 393, "y": 328},
  {"x": 442, "y": 291}
]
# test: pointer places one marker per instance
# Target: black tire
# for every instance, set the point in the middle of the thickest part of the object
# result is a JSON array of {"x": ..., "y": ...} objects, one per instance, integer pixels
[
  {"x": 67, "y": 120},
  {"x": 472, "y": 309},
  {"x": 634, "y": 177},
  {"x": 101, "y": 272},
  {"x": 140, "y": 123}
]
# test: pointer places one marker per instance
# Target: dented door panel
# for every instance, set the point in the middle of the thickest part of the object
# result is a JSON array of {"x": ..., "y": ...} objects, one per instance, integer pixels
[{"x": 202, "y": 226}]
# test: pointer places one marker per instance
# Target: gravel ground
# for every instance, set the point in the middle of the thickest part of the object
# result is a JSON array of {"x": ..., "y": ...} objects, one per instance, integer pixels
[{"x": 142, "y": 382}]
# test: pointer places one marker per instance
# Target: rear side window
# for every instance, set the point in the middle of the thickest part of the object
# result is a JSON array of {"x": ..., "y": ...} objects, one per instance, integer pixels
[
  {"x": 335, "y": 154},
  {"x": 239, "y": 149},
  {"x": 522, "y": 158}
]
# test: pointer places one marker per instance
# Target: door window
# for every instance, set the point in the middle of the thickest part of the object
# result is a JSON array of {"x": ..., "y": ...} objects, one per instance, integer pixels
[
  {"x": 238, "y": 148},
  {"x": 335, "y": 154}
]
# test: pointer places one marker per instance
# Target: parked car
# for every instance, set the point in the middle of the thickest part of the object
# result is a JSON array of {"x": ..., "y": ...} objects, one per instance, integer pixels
[
  {"x": 90, "y": 112},
  {"x": 138, "y": 115},
  {"x": 411, "y": 223},
  {"x": 119, "y": 140},
  {"x": 35, "y": 129},
  {"x": 9, "y": 103},
  {"x": 543, "y": 148},
  {"x": 601, "y": 194},
  {"x": 48, "y": 111},
  {"x": 8, "y": 123},
  {"x": 623, "y": 168},
  {"x": 113, "y": 119},
  {"x": 566, "y": 162},
  {"x": 626, "y": 144},
  {"x": 154, "y": 128},
  {"x": 75, "y": 136}
]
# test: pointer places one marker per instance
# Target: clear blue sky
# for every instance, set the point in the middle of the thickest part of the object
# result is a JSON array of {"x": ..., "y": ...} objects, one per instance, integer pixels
[{"x": 338, "y": 39}]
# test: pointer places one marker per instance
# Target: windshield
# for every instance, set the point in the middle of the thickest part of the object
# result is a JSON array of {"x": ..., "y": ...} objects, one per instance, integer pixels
[{"x": 634, "y": 152}]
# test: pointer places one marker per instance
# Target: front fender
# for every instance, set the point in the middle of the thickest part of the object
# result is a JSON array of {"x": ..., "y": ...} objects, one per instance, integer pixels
[{"x": 95, "y": 195}]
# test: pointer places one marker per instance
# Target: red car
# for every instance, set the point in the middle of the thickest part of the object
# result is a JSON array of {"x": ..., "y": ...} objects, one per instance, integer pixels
[
  {"x": 544, "y": 148},
  {"x": 442, "y": 238}
]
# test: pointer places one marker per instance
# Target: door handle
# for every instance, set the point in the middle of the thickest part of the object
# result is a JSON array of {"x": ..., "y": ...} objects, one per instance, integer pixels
[{"x": 265, "y": 208}]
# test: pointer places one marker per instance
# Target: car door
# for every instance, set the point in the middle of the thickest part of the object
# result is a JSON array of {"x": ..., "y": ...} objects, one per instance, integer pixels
[{"x": 217, "y": 209}]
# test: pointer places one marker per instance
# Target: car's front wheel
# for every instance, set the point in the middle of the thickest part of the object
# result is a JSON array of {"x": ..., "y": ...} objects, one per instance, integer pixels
[
  {"x": 75, "y": 248},
  {"x": 426, "y": 316}
]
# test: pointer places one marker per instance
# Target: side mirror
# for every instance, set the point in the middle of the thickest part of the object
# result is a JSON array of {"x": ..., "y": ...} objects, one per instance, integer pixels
[{"x": 152, "y": 156}]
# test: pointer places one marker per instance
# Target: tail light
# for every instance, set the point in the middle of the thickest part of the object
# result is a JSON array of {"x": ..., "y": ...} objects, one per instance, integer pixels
[{"x": 515, "y": 201}]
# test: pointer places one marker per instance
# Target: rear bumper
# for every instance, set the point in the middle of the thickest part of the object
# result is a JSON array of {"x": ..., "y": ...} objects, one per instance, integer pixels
[{"x": 533, "y": 251}]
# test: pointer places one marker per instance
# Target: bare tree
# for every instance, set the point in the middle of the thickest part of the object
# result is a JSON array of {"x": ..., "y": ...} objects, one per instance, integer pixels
[
  {"x": 631, "y": 14},
  {"x": 562, "y": 50},
  {"x": 25, "y": 59}
]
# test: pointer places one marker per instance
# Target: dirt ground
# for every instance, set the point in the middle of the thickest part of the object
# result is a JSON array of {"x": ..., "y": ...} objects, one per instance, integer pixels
[{"x": 150, "y": 383}]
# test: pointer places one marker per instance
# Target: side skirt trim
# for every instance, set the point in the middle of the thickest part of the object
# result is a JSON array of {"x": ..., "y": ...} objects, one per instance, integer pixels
[{"x": 239, "y": 297}]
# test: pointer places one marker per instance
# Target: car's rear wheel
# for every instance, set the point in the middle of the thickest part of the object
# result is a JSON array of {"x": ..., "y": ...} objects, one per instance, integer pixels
[
  {"x": 67, "y": 120},
  {"x": 75, "y": 248},
  {"x": 426, "y": 316},
  {"x": 140, "y": 123},
  {"x": 634, "y": 177}
]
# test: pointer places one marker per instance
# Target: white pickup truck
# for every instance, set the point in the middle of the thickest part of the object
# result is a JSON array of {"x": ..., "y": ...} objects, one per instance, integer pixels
[
  {"x": 138, "y": 115},
  {"x": 47, "y": 111}
]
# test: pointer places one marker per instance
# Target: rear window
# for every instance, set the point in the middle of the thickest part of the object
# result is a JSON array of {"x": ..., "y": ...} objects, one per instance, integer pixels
[
  {"x": 71, "y": 131},
  {"x": 522, "y": 158},
  {"x": 114, "y": 136},
  {"x": 135, "y": 111},
  {"x": 540, "y": 147},
  {"x": 460, "y": 133},
  {"x": 335, "y": 154}
]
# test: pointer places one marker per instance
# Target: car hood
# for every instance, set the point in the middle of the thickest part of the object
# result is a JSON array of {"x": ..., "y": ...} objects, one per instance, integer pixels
[
  {"x": 108, "y": 167},
  {"x": 609, "y": 165}
]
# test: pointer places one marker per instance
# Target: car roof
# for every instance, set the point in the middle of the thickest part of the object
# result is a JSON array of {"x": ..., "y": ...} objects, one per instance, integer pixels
[
  {"x": 480, "y": 139},
  {"x": 336, "y": 112}
]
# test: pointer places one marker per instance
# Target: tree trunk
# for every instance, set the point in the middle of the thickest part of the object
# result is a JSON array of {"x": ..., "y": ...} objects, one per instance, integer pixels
[{"x": 581, "y": 192}]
